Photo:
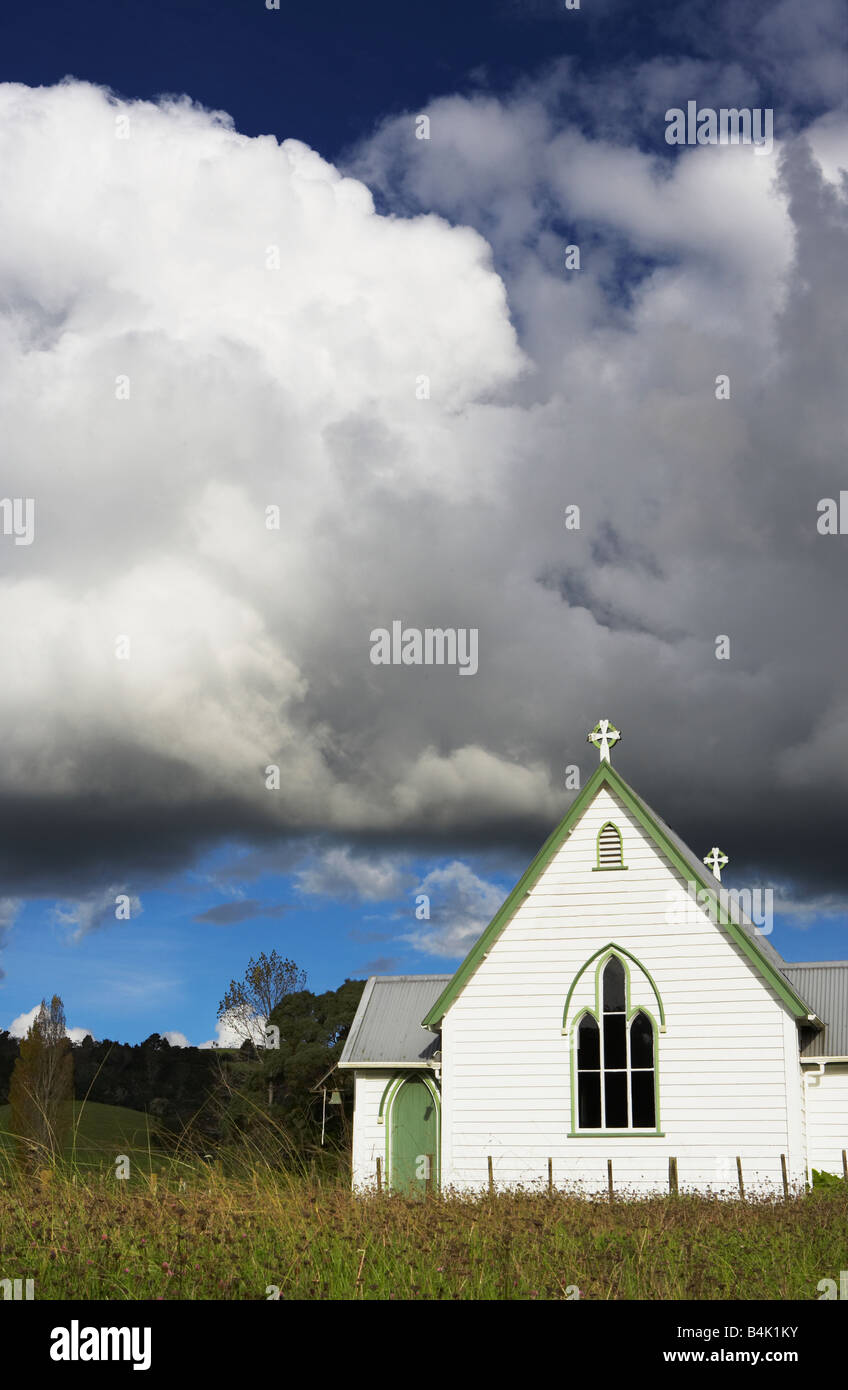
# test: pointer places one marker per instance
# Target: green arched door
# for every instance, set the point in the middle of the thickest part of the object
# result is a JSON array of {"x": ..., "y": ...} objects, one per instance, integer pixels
[{"x": 414, "y": 1138}]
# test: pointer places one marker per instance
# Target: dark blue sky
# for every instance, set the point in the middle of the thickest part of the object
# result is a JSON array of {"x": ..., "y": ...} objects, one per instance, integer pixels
[{"x": 327, "y": 73}]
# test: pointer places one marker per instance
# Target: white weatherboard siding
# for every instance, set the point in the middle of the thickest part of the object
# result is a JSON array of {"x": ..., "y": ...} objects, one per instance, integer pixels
[
  {"x": 827, "y": 1117},
  {"x": 728, "y": 1060},
  {"x": 369, "y": 1134},
  {"x": 795, "y": 1101},
  {"x": 805, "y": 1126}
]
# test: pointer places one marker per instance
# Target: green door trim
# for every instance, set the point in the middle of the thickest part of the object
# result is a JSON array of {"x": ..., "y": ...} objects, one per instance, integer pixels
[{"x": 384, "y": 1116}]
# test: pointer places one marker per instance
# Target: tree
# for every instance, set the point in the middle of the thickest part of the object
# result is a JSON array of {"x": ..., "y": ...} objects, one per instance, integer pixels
[
  {"x": 42, "y": 1085},
  {"x": 249, "y": 1003},
  {"x": 9, "y": 1050},
  {"x": 275, "y": 1104},
  {"x": 313, "y": 1029}
]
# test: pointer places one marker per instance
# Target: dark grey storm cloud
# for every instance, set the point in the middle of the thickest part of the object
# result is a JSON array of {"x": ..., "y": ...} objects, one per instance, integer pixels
[
  {"x": 227, "y": 914},
  {"x": 245, "y": 459}
]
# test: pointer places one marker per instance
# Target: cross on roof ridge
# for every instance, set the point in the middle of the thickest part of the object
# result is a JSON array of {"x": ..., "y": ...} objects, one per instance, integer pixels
[
  {"x": 716, "y": 861},
  {"x": 603, "y": 736}
]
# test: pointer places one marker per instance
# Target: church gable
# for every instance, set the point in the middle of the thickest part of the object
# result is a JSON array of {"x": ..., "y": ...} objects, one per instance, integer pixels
[
  {"x": 577, "y": 909},
  {"x": 595, "y": 842}
]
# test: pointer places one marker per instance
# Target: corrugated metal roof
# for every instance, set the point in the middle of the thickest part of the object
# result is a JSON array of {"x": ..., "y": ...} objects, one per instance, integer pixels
[
  {"x": 824, "y": 984},
  {"x": 386, "y": 1030}
]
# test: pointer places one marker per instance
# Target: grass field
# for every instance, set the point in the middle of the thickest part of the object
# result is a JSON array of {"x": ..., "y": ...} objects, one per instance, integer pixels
[
  {"x": 99, "y": 1134},
  {"x": 190, "y": 1232}
]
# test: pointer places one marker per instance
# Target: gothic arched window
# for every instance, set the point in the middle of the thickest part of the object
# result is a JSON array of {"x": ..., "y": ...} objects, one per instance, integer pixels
[{"x": 616, "y": 1060}]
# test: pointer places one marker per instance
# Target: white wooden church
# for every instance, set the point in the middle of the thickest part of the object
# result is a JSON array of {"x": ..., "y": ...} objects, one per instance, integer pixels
[{"x": 620, "y": 1007}]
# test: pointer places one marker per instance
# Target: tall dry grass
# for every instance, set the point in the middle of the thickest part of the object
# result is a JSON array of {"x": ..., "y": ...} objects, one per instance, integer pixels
[{"x": 246, "y": 1226}]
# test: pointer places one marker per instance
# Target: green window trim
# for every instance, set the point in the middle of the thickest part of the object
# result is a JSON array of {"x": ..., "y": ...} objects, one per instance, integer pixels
[
  {"x": 615, "y": 1134},
  {"x": 612, "y": 949},
  {"x": 606, "y": 775},
  {"x": 603, "y": 956}
]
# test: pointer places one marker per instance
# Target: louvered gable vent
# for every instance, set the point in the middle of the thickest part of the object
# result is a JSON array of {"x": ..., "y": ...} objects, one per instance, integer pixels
[{"x": 609, "y": 847}]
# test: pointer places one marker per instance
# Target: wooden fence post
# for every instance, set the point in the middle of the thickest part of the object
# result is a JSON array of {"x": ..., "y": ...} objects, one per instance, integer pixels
[
  {"x": 491, "y": 1175},
  {"x": 739, "y": 1173},
  {"x": 845, "y": 1164},
  {"x": 550, "y": 1177},
  {"x": 379, "y": 1175},
  {"x": 672, "y": 1175},
  {"x": 785, "y": 1177},
  {"x": 609, "y": 1177}
]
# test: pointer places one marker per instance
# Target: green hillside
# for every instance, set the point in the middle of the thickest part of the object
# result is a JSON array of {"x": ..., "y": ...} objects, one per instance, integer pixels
[{"x": 101, "y": 1133}]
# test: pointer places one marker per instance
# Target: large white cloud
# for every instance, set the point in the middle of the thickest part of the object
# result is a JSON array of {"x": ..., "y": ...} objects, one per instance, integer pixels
[
  {"x": 144, "y": 261},
  {"x": 151, "y": 257}
]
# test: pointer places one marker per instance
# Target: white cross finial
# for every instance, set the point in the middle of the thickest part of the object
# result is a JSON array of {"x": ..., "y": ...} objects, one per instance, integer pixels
[
  {"x": 603, "y": 736},
  {"x": 716, "y": 861}
]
